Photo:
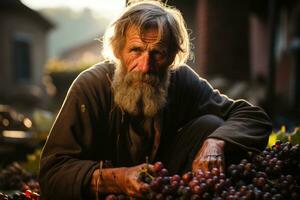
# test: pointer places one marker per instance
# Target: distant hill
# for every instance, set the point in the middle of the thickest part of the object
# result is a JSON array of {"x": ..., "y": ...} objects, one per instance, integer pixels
[{"x": 72, "y": 28}]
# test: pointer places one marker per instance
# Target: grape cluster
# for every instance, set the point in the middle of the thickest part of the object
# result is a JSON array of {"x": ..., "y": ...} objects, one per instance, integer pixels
[
  {"x": 26, "y": 195},
  {"x": 281, "y": 158},
  {"x": 271, "y": 175},
  {"x": 15, "y": 177},
  {"x": 199, "y": 185}
]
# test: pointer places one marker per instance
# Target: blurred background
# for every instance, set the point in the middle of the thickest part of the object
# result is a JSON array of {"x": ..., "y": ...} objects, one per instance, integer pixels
[{"x": 247, "y": 49}]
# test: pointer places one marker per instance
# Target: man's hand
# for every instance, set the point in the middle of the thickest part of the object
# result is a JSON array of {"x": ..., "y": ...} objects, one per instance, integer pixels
[
  {"x": 119, "y": 180},
  {"x": 211, "y": 155},
  {"x": 130, "y": 183}
]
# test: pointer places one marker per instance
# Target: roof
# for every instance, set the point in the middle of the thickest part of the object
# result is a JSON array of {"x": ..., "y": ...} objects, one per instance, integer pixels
[
  {"x": 17, "y": 5},
  {"x": 84, "y": 45}
]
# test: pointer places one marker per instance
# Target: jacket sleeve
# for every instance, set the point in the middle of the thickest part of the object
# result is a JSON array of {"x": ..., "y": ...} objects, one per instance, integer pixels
[
  {"x": 246, "y": 126},
  {"x": 66, "y": 165}
]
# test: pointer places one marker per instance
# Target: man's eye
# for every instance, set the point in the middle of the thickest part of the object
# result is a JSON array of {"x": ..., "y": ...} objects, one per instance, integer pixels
[
  {"x": 159, "y": 54},
  {"x": 135, "y": 49}
]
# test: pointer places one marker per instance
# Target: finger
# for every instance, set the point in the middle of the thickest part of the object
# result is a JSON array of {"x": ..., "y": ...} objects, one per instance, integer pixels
[
  {"x": 144, "y": 187},
  {"x": 212, "y": 162},
  {"x": 217, "y": 162},
  {"x": 200, "y": 164},
  {"x": 197, "y": 164},
  {"x": 142, "y": 166},
  {"x": 150, "y": 167},
  {"x": 205, "y": 164},
  {"x": 131, "y": 191},
  {"x": 221, "y": 163}
]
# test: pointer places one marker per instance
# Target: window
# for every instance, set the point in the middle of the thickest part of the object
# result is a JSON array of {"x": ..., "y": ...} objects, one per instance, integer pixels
[{"x": 22, "y": 59}]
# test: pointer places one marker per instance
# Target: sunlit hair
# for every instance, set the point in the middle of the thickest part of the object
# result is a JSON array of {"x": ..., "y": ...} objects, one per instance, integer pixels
[{"x": 144, "y": 15}]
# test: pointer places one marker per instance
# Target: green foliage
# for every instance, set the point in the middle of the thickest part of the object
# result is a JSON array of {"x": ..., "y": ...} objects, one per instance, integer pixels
[
  {"x": 33, "y": 162},
  {"x": 284, "y": 136},
  {"x": 56, "y": 65}
]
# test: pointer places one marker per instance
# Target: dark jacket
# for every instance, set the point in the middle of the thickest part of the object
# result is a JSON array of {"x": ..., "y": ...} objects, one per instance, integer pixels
[{"x": 90, "y": 127}]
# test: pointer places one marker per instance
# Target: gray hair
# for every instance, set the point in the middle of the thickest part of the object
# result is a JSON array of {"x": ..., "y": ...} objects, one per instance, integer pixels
[{"x": 145, "y": 15}]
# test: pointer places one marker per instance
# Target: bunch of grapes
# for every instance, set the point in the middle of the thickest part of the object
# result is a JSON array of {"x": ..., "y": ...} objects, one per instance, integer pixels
[
  {"x": 15, "y": 177},
  {"x": 281, "y": 158},
  {"x": 26, "y": 195},
  {"x": 199, "y": 185},
  {"x": 273, "y": 174}
]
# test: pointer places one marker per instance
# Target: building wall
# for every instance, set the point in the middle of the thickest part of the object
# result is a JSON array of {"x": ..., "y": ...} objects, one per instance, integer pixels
[
  {"x": 259, "y": 47},
  {"x": 223, "y": 38},
  {"x": 16, "y": 24},
  {"x": 219, "y": 35}
]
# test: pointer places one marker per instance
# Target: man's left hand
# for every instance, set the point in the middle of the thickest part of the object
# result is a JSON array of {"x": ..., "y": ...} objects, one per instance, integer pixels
[{"x": 211, "y": 155}]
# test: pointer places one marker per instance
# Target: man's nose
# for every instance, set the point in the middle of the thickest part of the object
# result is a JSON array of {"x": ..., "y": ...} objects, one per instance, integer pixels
[{"x": 144, "y": 63}]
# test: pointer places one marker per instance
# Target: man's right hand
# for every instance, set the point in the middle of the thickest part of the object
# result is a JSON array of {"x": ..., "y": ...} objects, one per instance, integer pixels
[
  {"x": 120, "y": 180},
  {"x": 130, "y": 183}
]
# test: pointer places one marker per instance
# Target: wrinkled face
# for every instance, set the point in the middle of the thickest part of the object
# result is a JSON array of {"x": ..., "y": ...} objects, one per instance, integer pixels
[
  {"x": 141, "y": 80},
  {"x": 145, "y": 53}
]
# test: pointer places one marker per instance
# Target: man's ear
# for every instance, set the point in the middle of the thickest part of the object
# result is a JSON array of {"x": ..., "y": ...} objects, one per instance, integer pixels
[{"x": 117, "y": 53}]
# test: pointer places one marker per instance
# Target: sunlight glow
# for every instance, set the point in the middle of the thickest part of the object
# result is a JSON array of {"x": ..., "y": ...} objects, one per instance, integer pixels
[
  {"x": 104, "y": 8},
  {"x": 16, "y": 134},
  {"x": 27, "y": 122}
]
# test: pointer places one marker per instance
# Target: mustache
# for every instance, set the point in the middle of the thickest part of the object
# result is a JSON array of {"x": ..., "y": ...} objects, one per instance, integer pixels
[
  {"x": 138, "y": 93},
  {"x": 152, "y": 79}
]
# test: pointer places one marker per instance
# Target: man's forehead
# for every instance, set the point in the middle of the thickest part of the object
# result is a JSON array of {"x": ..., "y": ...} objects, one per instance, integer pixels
[{"x": 149, "y": 33}]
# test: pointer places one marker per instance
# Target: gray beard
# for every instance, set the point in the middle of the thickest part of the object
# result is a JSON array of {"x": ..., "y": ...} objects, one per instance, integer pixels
[{"x": 140, "y": 94}]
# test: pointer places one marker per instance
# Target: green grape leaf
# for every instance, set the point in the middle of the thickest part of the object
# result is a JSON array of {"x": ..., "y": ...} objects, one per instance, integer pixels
[
  {"x": 272, "y": 139},
  {"x": 295, "y": 136}
]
